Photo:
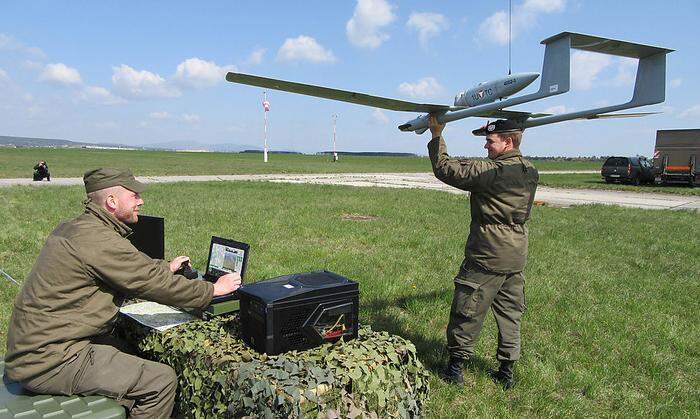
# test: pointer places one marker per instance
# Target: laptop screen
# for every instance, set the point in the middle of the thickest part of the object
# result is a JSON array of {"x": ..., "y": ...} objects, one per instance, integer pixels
[
  {"x": 226, "y": 256},
  {"x": 148, "y": 236}
]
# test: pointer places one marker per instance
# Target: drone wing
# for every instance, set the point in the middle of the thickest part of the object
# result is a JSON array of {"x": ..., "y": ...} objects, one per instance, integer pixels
[
  {"x": 524, "y": 116},
  {"x": 620, "y": 115},
  {"x": 335, "y": 94},
  {"x": 505, "y": 114}
]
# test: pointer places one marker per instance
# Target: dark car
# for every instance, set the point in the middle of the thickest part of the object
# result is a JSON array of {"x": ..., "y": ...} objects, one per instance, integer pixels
[{"x": 634, "y": 170}]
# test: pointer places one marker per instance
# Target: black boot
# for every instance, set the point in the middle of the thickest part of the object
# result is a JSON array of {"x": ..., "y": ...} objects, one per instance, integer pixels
[
  {"x": 504, "y": 375},
  {"x": 453, "y": 371}
]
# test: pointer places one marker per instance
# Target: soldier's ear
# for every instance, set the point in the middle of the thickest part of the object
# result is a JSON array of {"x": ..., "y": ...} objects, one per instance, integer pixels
[{"x": 111, "y": 202}]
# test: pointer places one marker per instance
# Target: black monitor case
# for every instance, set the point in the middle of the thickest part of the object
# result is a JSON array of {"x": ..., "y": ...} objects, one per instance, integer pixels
[{"x": 299, "y": 311}]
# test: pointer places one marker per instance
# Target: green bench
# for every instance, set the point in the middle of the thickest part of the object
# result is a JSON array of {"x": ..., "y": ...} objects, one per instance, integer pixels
[{"x": 15, "y": 402}]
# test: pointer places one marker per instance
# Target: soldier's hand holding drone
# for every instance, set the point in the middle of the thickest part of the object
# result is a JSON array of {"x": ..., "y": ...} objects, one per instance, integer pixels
[{"x": 435, "y": 127}]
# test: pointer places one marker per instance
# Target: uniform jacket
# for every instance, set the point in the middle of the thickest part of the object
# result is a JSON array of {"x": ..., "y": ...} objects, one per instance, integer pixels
[
  {"x": 84, "y": 271},
  {"x": 502, "y": 191}
]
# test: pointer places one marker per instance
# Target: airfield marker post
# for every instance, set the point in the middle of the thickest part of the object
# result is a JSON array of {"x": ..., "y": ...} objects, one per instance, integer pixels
[
  {"x": 266, "y": 109},
  {"x": 335, "y": 153}
]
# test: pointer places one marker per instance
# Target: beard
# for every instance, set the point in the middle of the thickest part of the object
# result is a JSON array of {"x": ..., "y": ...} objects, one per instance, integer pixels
[{"x": 128, "y": 215}]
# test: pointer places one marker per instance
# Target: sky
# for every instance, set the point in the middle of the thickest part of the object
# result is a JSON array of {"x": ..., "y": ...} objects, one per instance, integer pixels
[{"x": 138, "y": 73}]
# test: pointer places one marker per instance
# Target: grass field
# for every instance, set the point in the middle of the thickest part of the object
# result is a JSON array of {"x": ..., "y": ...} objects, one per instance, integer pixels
[
  {"x": 613, "y": 319},
  {"x": 594, "y": 181},
  {"x": 72, "y": 162}
]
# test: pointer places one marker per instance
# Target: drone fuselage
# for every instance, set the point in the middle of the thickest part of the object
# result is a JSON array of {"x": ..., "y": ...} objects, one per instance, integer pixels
[{"x": 489, "y": 91}]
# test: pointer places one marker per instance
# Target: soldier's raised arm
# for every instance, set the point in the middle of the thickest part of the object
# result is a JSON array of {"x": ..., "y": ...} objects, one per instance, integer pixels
[{"x": 462, "y": 174}]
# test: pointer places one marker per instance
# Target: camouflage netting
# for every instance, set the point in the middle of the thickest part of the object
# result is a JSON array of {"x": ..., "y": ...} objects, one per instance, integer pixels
[{"x": 376, "y": 375}]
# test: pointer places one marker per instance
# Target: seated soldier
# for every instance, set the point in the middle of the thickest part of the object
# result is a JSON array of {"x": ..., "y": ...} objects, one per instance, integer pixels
[
  {"x": 41, "y": 171},
  {"x": 66, "y": 310}
]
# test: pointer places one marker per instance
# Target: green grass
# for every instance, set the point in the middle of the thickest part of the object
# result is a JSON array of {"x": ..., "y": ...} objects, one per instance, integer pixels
[
  {"x": 613, "y": 319},
  {"x": 594, "y": 181},
  {"x": 73, "y": 162}
]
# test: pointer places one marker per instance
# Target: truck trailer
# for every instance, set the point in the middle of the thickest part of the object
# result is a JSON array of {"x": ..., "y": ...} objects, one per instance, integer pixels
[{"x": 677, "y": 156}]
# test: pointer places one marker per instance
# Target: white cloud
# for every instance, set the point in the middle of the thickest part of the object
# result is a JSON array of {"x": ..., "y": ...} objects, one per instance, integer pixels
[
  {"x": 364, "y": 29},
  {"x": 31, "y": 65},
  {"x": 159, "y": 115},
  {"x": 4, "y": 78},
  {"x": 544, "y": 6},
  {"x": 197, "y": 73},
  {"x": 676, "y": 82},
  {"x": 427, "y": 25},
  {"x": 626, "y": 71},
  {"x": 585, "y": 68},
  {"x": 427, "y": 87},
  {"x": 8, "y": 43},
  {"x": 380, "y": 117},
  {"x": 304, "y": 48},
  {"x": 35, "y": 52},
  {"x": 692, "y": 112},
  {"x": 133, "y": 84},
  {"x": 59, "y": 73},
  {"x": 495, "y": 28},
  {"x": 5, "y": 41},
  {"x": 191, "y": 118},
  {"x": 256, "y": 57},
  {"x": 556, "y": 110},
  {"x": 99, "y": 95}
]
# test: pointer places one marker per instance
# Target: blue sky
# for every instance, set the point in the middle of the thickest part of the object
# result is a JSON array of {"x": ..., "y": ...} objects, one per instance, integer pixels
[{"x": 152, "y": 72}]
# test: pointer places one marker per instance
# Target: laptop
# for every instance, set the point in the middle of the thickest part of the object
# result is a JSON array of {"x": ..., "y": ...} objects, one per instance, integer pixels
[
  {"x": 148, "y": 236},
  {"x": 226, "y": 256}
]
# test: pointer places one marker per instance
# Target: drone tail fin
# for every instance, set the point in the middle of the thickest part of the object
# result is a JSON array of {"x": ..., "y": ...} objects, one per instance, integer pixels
[
  {"x": 555, "y": 67},
  {"x": 650, "y": 82}
]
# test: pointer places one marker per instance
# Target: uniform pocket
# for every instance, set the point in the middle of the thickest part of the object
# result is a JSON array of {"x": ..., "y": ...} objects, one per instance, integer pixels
[{"x": 466, "y": 298}]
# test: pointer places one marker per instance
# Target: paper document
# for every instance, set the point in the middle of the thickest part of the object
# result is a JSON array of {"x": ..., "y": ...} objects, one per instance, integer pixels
[{"x": 156, "y": 316}]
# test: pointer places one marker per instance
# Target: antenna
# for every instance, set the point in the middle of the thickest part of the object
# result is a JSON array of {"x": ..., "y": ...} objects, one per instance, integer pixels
[{"x": 510, "y": 17}]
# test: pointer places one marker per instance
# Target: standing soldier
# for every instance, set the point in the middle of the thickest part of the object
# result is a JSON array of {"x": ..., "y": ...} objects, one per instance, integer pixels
[{"x": 502, "y": 191}]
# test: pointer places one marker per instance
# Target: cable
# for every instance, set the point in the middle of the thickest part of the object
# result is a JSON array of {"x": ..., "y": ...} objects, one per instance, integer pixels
[{"x": 6, "y": 275}]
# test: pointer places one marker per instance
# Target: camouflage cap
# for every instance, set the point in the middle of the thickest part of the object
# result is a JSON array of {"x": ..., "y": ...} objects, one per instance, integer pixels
[
  {"x": 498, "y": 127},
  {"x": 106, "y": 177}
]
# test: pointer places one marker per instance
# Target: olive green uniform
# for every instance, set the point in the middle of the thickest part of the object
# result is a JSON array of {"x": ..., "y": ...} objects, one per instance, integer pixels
[
  {"x": 502, "y": 192},
  {"x": 69, "y": 304}
]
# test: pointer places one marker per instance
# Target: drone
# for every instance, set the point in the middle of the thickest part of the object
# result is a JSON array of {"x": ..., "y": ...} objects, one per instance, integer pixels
[{"x": 490, "y": 99}]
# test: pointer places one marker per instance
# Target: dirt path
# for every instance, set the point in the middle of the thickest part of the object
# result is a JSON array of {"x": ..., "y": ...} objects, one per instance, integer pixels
[{"x": 551, "y": 196}]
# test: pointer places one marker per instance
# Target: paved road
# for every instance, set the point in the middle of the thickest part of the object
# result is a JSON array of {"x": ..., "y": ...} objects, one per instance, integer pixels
[{"x": 551, "y": 196}]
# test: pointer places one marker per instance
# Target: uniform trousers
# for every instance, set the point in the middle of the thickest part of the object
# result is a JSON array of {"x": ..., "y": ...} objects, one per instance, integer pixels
[
  {"x": 477, "y": 289},
  {"x": 145, "y": 388}
]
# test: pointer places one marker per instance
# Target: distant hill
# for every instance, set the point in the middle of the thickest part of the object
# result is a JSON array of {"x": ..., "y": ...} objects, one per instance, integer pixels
[
  {"x": 370, "y": 153},
  {"x": 270, "y": 151},
  {"x": 193, "y": 145},
  {"x": 9, "y": 141}
]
